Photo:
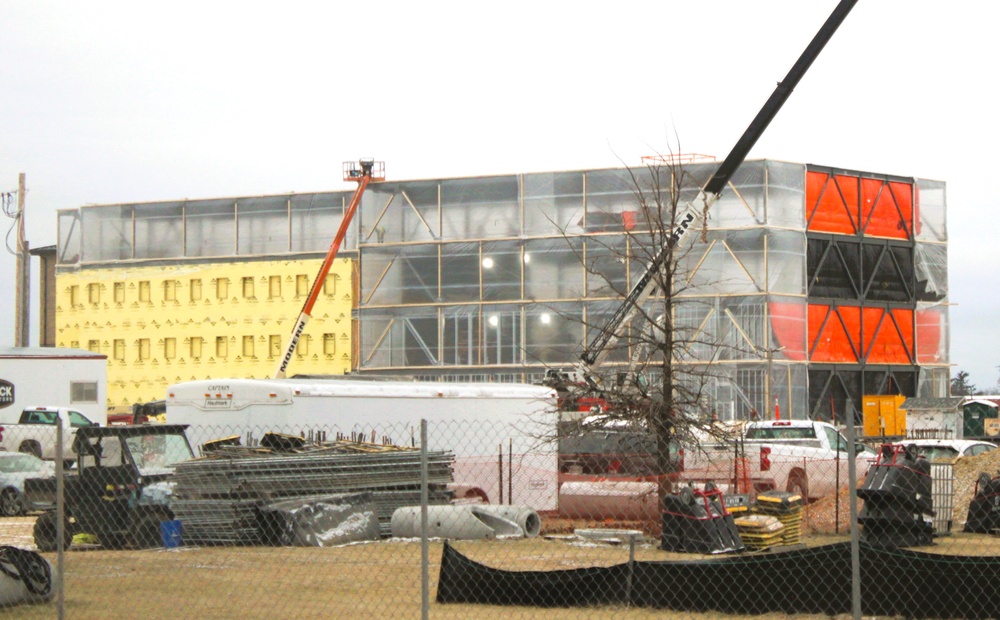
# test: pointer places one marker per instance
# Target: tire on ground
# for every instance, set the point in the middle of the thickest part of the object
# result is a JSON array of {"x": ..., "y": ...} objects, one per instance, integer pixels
[
  {"x": 45, "y": 533},
  {"x": 10, "y": 503}
]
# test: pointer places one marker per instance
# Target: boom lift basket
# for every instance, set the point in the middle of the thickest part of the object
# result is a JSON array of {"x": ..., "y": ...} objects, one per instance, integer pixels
[{"x": 354, "y": 170}]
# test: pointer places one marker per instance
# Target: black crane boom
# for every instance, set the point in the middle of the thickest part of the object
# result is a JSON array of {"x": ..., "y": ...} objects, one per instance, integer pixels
[{"x": 593, "y": 356}]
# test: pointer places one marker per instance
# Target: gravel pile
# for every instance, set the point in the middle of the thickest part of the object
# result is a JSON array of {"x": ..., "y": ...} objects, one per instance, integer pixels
[{"x": 821, "y": 516}]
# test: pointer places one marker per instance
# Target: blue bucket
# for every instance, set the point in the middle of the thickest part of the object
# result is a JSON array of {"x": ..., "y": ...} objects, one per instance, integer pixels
[{"x": 171, "y": 533}]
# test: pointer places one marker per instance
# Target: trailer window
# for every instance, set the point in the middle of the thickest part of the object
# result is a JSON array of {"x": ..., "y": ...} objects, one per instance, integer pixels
[{"x": 83, "y": 392}]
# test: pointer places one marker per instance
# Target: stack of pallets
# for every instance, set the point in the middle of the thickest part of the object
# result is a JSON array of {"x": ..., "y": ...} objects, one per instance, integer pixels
[{"x": 787, "y": 508}]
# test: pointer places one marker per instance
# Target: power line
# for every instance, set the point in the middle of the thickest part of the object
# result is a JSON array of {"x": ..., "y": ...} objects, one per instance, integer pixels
[{"x": 7, "y": 204}]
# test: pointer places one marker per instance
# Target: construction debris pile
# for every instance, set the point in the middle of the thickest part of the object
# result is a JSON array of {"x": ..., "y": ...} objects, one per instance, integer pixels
[{"x": 220, "y": 498}]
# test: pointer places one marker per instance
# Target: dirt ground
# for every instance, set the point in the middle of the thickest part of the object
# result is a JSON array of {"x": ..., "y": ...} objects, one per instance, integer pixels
[{"x": 377, "y": 579}]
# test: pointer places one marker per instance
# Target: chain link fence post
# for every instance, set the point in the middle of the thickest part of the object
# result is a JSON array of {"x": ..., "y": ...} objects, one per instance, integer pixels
[
  {"x": 424, "y": 551},
  {"x": 852, "y": 473},
  {"x": 61, "y": 522}
]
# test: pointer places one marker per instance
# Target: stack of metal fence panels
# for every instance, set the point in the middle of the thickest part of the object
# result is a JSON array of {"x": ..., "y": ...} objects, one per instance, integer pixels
[{"x": 218, "y": 498}]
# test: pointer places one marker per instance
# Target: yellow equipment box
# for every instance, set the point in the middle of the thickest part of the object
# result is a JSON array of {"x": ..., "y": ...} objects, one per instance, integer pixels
[{"x": 884, "y": 416}]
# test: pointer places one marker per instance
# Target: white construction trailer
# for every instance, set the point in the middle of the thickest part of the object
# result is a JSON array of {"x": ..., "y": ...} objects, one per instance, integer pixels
[
  {"x": 502, "y": 435},
  {"x": 53, "y": 377}
]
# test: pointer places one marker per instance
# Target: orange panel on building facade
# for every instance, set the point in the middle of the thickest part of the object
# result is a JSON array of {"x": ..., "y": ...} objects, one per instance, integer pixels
[
  {"x": 887, "y": 208},
  {"x": 787, "y": 320},
  {"x": 930, "y": 348},
  {"x": 846, "y": 204},
  {"x": 832, "y": 203},
  {"x": 888, "y": 336},
  {"x": 834, "y": 333}
]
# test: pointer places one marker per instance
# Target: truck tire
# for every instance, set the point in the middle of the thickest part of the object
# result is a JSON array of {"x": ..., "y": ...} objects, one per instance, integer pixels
[
  {"x": 45, "y": 533},
  {"x": 10, "y": 503},
  {"x": 31, "y": 447},
  {"x": 798, "y": 484}
]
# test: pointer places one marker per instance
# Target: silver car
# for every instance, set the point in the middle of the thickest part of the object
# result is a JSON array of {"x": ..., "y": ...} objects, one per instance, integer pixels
[
  {"x": 949, "y": 449},
  {"x": 15, "y": 467}
]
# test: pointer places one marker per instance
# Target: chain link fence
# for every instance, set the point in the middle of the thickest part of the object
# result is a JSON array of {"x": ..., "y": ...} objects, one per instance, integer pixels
[{"x": 472, "y": 519}]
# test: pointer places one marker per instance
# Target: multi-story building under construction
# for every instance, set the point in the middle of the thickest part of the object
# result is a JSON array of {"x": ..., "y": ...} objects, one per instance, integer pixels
[{"x": 820, "y": 284}]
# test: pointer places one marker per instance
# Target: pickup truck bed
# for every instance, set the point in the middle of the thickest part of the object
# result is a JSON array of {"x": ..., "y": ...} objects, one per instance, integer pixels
[{"x": 801, "y": 456}]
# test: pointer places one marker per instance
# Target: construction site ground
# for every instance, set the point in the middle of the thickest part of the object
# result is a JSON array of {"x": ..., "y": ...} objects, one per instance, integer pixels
[{"x": 381, "y": 578}]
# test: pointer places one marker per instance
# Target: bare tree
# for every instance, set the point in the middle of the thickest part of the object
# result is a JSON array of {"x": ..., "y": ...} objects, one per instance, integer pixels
[{"x": 656, "y": 378}]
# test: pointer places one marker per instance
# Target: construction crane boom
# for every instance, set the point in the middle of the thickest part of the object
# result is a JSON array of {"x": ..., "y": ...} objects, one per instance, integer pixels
[
  {"x": 594, "y": 355},
  {"x": 364, "y": 172}
]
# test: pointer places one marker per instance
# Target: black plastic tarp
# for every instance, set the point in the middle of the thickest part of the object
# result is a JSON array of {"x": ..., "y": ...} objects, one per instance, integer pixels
[{"x": 894, "y": 582}]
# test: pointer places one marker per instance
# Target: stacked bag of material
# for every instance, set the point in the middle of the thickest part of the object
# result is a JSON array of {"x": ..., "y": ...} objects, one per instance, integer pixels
[
  {"x": 759, "y": 531},
  {"x": 787, "y": 508},
  {"x": 898, "y": 509}
]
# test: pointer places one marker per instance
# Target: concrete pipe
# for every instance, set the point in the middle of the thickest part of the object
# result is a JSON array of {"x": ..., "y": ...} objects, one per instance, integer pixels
[
  {"x": 526, "y": 518},
  {"x": 465, "y": 522}
]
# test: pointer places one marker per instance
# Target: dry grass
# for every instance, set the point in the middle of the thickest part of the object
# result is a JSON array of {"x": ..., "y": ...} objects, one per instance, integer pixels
[{"x": 374, "y": 580}]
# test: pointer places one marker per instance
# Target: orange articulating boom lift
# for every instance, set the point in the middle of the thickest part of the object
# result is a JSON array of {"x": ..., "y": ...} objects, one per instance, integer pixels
[{"x": 364, "y": 172}]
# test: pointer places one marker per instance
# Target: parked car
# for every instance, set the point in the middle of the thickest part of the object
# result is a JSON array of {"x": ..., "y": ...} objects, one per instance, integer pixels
[
  {"x": 15, "y": 467},
  {"x": 949, "y": 449}
]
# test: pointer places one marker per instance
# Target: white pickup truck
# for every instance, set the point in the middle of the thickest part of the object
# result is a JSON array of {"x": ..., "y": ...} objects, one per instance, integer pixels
[
  {"x": 35, "y": 432},
  {"x": 801, "y": 456}
]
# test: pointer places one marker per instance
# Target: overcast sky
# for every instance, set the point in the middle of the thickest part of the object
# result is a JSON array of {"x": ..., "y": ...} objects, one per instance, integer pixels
[{"x": 106, "y": 102}]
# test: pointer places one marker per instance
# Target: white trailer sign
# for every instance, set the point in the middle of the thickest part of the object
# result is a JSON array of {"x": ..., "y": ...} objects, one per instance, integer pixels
[{"x": 53, "y": 377}]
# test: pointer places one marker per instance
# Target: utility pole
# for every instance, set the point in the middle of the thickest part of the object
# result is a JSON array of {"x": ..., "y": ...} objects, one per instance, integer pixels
[{"x": 23, "y": 300}]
